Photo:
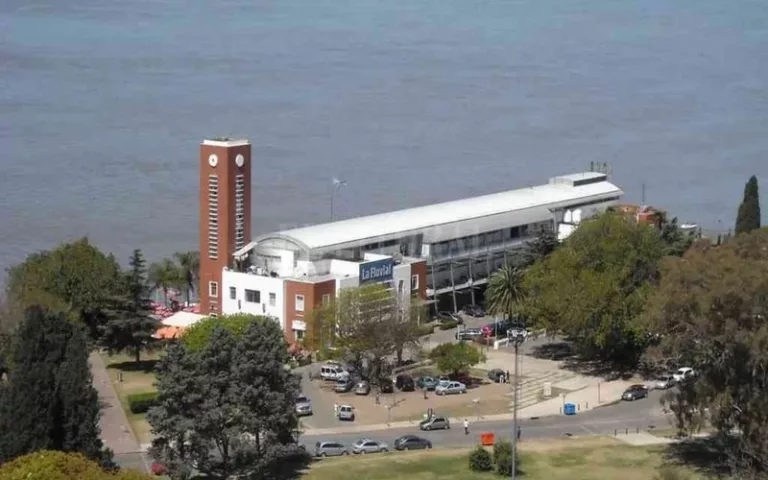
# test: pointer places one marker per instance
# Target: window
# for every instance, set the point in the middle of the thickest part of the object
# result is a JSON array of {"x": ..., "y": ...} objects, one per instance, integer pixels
[
  {"x": 213, "y": 289},
  {"x": 252, "y": 296},
  {"x": 299, "y": 303},
  {"x": 299, "y": 334},
  {"x": 272, "y": 299},
  {"x": 414, "y": 282},
  {"x": 213, "y": 217},
  {"x": 326, "y": 298},
  {"x": 232, "y": 293},
  {"x": 239, "y": 211}
]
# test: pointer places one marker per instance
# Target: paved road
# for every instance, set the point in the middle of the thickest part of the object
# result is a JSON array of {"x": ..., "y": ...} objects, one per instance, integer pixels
[{"x": 640, "y": 414}]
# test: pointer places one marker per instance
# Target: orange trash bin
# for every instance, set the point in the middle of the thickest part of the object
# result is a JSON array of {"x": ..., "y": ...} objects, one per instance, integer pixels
[{"x": 487, "y": 439}]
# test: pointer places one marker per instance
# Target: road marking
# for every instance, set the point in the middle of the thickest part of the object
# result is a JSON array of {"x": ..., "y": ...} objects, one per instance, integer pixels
[{"x": 591, "y": 432}]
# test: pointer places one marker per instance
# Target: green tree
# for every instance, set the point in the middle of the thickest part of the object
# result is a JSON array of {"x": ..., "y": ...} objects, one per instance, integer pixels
[
  {"x": 748, "y": 216},
  {"x": 199, "y": 334},
  {"x": 130, "y": 325},
  {"x": 228, "y": 409},
  {"x": 676, "y": 241},
  {"x": 456, "y": 358},
  {"x": 188, "y": 267},
  {"x": 163, "y": 276},
  {"x": 54, "y": 465},
  {"x": 541, "y": 246},
  {"x": 593, "y": 287},
  {"x": 710, "y": 309},
  {"x": 505, "y": 291},
  {"x": 75, "y": 278},
  {"x": 49, "y": 401}
]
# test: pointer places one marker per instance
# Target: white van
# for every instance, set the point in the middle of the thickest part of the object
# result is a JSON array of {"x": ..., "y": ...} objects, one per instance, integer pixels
[{"x": 333, "y": 372}]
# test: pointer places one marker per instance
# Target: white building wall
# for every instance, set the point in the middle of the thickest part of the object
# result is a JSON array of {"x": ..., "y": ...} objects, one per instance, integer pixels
[
  {"x": 402, "y": 273},
  {"x": 264, "y": 285},
  {"x": 349, "y": 282}
]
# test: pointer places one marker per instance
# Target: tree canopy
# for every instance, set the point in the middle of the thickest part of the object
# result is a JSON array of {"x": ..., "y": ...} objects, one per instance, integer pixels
[
  {"x": 505, "y": 291},
  {"x": 228, "y": 409},
  {"x": 456, "y": 358},
  {"x": 75, "y": 278},
  {"x": 711, "y": 309},
  {"x": 748, "y": 215},
  {"x": 593, "y": 287},
  {"x": 199, "y": 334},
  {"x": 54, "y": 465},
  {"x": 49, "y": 401}
]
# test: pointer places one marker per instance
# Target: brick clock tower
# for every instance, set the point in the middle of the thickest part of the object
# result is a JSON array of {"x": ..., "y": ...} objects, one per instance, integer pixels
[{"x": 225, "y": 213}]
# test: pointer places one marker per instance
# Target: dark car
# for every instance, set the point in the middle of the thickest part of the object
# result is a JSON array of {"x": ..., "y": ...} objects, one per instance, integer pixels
[
  {"x": 468, "y": 334},
  {"x": 498, "y": 328},
  {"x": 495, "y": 374},
  {"x": 634, "y": 392},
  {"x": 386, "y": 386},
  {"x": 446, "y": 316},
  {"x": 474, "y": 311},
  {"x": 412, "y": 442},
  {"x": 405, "y": 383},
  {"x": 428, "y": 383}
]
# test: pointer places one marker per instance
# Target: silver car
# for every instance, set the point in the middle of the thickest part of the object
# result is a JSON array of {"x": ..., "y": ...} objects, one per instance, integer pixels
[
  {"x": 330, "y": 449},
  {"x": 303, "y": 405},
  {"x": 449, "y": 388},
  {"x": 665, "y": 381},
  {"x": 366, "y": 445},
  {"x": 347, "y": 412}
]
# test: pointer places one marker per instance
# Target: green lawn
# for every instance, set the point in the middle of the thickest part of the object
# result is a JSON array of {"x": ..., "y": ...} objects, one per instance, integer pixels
[
  {"x": 573, "y": 459},
  {"x": 135, "y": 379}
]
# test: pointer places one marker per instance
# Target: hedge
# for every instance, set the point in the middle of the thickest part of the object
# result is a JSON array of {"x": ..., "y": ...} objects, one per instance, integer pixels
[
  {"x": 425, "y": 330},
  {"x": 448, "y": 325},
  {"x": 141, "y": 402}
]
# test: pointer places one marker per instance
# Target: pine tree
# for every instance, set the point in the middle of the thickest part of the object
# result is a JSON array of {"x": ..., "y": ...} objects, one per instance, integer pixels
[
  {"x": 49, "y": 401},
  {"x": 130, "y": 325},
  {"x": 748, "y": 217}
]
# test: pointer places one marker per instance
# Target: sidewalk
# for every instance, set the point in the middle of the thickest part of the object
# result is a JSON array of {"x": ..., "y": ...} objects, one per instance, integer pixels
[{"x": 115, "y": 430}]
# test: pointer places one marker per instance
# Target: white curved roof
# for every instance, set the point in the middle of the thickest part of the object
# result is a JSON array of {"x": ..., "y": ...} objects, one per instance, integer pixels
[{"x": 560, "y": 192}]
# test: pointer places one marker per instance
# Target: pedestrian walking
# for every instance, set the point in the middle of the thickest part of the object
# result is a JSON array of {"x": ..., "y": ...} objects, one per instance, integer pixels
[
  {"x": 519, "y": 431},
  {"x": 335, "y": 409},
  {"x": 507, "y": 375},
  {"x": 466, "y": 427},
  {"x": 502, "y": 379}
]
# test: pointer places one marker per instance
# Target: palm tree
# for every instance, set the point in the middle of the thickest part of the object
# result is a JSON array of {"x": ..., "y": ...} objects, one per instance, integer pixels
[
  {"x": 505, "y": 290},
  {"x": 163, "y": 276},
  {"x": 188, "y": 267}
]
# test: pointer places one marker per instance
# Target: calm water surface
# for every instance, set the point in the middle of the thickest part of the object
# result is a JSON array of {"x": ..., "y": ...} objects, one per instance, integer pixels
[{"x": 103, "y": 104}]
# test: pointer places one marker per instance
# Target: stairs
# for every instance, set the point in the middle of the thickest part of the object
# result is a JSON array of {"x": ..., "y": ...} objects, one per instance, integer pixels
[{"x": 531, "y": 388}]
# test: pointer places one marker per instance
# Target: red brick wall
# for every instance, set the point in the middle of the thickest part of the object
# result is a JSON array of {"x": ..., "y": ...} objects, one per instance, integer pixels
[
  {"x": 313, "y": 297},
  {"x": 420, "y": 269}
]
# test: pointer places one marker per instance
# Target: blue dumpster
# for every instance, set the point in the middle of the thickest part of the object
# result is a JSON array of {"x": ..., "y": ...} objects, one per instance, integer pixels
[{"x": 569, "y": 409}]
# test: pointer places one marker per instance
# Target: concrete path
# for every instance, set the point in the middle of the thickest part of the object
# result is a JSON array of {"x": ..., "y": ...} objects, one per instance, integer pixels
[
  {"x": 115, "y": 430},
  {"x": 644, "y": 438}
]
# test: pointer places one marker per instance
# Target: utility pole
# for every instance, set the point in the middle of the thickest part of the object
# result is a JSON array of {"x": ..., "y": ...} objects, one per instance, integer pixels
[
  {"x": 519, "y": 339},
  {"x": 337, "y": 184}
]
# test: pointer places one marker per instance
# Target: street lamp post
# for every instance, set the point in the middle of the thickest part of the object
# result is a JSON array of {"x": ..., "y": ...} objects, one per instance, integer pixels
[
  {"x": 337, "y": 184},
  {"x": 518, "y": 339}
]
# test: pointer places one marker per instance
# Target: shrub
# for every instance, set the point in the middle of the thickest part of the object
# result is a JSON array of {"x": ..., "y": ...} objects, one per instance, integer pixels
[
  {"x": 480, "y": 460},
  {"x": 448, "y": 325},
  {"x": 425, "y": 330},
  {"x": 502, "y": 457},
  {"x": 141, "y": 402},
  {"x": 157, "y": 469},
  {"x": 51, "y": 465}
]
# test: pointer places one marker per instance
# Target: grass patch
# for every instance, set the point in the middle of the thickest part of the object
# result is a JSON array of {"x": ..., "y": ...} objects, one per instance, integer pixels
[
  {"x": 573, "y": 459},
  {"x": 136, "y": 378}
]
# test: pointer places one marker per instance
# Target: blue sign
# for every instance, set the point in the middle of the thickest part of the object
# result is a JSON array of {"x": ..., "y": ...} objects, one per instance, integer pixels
[{"x": 377, "y": 270}]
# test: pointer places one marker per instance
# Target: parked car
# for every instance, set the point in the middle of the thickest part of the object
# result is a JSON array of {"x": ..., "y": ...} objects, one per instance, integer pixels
[
  {"x": 412, "y": 442},
  {"x": 404, "y": 383},
  {"x": 446, "y": 316},
  {"x": 333, "y": 371},
  {"x": 436, "y": 422},
  {"x": 474, "y": 311},
  {"x": 497, "y": 329},
  {"x": 366, "y": 445},
  {"x": 683, "y": 373},
  {"x": 362, "y": 388},
  {"x": 428, "y": 383},
  {"x": 386, "y": 385},
  {"x": 495, "y": 374},
  {"x": 635, "y": 392},
  {"x": 330, "y": 449},
  {"x": 665, "y": 381},
  {"x": 346, "y": 412},
  {"x": 303, "y": 405},
  {"x": 343, "y": 386},
  {"x": 450, "y": 387},
  {"x": 468, "y": 333}
]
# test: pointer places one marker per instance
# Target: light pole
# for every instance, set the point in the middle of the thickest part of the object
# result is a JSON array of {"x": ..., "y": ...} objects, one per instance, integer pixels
[
  {"x": 337, "y": 184},
  {"x": 518, "y": 339}
]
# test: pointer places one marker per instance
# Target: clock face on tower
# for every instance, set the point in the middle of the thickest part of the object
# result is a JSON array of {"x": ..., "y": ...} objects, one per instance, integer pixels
[
  {"x": 239, "y": 160},
  {"x": 213, "y": 160}
]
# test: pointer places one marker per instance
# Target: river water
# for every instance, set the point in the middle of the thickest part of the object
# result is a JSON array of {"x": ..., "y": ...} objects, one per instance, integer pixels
[{"x": 103, "y": 104}]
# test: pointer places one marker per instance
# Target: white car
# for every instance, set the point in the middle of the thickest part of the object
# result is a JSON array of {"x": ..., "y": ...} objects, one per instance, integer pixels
[
  {"x": 683, "y": 373},
  {"x": 448, "y": 388},
  {"x": 665, "y": 381}
]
